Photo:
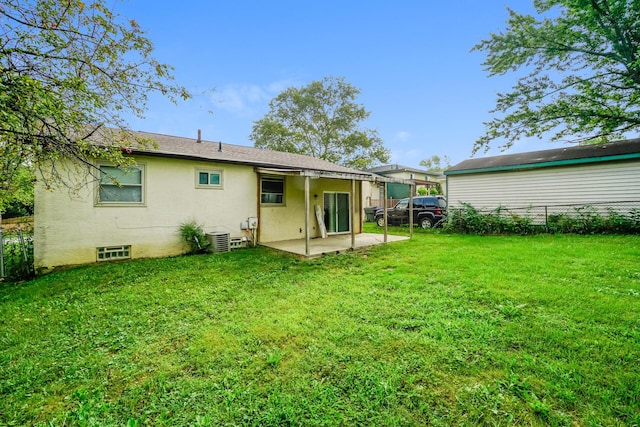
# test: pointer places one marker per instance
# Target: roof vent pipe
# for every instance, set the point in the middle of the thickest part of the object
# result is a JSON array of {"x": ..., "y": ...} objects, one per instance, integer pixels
[
  {"x": 220, "y": 146},
  {"x": 199, "y": 136}
]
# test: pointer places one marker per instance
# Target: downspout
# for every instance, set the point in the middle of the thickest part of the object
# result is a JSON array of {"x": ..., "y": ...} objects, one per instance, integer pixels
[
  {"x": 446, "y": 195},
  {"x": 446, "y": 182}
]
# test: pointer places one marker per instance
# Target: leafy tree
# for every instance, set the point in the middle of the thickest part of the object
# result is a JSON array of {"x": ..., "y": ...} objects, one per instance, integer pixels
[
  {"x": 69, "y": 69},
  {"x": 321, "y": 120},
  {"x": 17, "y": 198},
  {"x": 435, "y": 163},
  {"x": 583, "y": 63}
]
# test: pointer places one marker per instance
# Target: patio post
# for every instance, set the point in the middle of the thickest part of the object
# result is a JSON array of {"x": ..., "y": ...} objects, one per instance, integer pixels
[
  {"x": 307, "y": 241},
  {"x": 384, "y": 211},
  {"x": 411, "y": 195},
  {"x": 353, "y": 213}
]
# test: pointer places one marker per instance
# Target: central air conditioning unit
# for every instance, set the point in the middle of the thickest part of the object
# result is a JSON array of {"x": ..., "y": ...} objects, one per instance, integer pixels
[{"x": 219, "y": 241}]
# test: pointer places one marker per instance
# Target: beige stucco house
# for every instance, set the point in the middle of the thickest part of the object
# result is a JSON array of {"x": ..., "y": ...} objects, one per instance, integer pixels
[{"x": 243, "y": 193}]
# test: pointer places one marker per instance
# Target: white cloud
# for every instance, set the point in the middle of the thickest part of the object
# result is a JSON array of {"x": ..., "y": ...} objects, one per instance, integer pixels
[
  {"x": 239, "y": 99},
  {"x": 247, "y": 100},
  {"x": 401, "y": 136},
  {"x": 276, "y": 87},
  {"x": 411, "y": 157}
]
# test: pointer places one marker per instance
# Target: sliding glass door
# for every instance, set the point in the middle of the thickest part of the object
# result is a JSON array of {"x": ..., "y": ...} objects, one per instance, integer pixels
[{"x": 337, "y": 217}]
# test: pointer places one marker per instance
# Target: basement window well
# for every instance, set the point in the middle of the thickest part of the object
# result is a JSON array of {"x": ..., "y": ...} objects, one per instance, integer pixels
[{"x": 107, "y": 253}]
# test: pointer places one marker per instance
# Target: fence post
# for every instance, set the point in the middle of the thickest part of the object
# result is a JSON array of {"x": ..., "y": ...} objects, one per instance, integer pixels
[
  {"x": 546, "y": 219},
  {"x": 2, "y": 272},
  {"x": 23, "y": 246}
]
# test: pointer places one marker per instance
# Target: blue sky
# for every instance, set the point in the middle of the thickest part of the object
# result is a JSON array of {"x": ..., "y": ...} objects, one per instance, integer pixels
[{"x": 427, "y": 93}]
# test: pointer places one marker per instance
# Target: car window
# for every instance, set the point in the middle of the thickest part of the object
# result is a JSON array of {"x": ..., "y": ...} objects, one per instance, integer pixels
[
  {"x": 418, "y": 202},
  {"x": 430, "y": 202},
  {"x": 442, "y": 203},
  {"x": 402, "y": 204}
]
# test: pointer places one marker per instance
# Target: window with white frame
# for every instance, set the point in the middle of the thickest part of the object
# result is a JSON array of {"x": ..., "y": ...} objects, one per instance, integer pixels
[
  {"x": 272, "y": 190},
  {"x": 208, "y": 178},
  {"x": 121, "y": 186}
]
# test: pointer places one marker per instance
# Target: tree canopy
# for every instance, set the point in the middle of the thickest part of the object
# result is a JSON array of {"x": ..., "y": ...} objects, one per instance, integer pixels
[
  {"x": 435, "y": 163},
  {"x": 321, "y": 120},
  {"x": 17, "y": 199},
  {"x": 582, "y": 64},
  {"x": 69, "y": 71}
]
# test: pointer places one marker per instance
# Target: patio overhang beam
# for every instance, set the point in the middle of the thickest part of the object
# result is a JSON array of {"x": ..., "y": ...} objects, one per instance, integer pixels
[{"x": 313, "y": 174}]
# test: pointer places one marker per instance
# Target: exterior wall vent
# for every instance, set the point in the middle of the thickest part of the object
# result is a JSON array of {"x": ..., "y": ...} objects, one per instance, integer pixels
[
  {"x": 107, "y": 253},
  {"x": 238, "y": 243},
  {"x": 219, "y": 241}
]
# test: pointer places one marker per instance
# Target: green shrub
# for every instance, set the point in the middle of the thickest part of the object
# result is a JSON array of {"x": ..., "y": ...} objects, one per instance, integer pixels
[
  {"x": 193, "y": 234},
  {"x": 469, "y": 220},
  {"x": 582, "y": 220}
]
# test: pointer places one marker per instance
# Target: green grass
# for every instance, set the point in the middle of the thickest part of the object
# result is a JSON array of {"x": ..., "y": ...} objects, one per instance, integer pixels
[{"x": 440, "y": 330}]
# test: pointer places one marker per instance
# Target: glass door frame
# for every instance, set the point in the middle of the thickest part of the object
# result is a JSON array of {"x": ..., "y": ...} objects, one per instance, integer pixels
[{"x": 336, "y": 219}]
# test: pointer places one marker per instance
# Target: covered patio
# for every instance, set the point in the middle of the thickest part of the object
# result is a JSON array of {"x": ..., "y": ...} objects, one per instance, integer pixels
[
  {"x": 332, "y": 240},
  {"x": 332, "y": 244}
]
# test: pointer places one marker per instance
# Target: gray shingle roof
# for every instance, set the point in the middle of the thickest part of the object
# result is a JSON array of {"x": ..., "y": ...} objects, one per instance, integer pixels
[
  {"x": 178, "y": 147},
  {"x": 555, "y": 157},
  {"x": 396, "y": 168}
]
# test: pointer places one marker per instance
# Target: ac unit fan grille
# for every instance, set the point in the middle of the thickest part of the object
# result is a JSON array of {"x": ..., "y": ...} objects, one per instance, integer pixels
[{"x": 219, "y": 242}]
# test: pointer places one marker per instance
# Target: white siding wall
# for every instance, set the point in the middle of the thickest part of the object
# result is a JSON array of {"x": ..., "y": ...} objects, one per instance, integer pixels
[
  {"x": 581, "y": 184},
  {"x": 370, "y": 192}
]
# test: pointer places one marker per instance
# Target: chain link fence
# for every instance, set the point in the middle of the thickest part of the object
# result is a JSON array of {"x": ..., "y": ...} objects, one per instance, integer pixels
[
  {"x": 16, "y": 252},
  {"x": 606, "y": 217}
]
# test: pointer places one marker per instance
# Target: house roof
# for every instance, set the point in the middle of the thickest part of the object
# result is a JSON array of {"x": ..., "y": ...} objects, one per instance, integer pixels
[
  {"x": 382, "y": 170},
  {"x": 279, "y": 162},
  {"x": 580, "y": 154}
]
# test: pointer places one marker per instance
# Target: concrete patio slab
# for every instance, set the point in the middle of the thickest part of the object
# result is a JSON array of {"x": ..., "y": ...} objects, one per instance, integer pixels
[{"x": 332, "y": 244}]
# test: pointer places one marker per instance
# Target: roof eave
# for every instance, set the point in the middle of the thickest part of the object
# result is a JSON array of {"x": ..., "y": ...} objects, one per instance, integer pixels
[
  {"x": 256, "y": 164},
  {"x": 567, "y": 162},
  {"x": 314, "y": 173},
  {"x": 278, "y": 169}
]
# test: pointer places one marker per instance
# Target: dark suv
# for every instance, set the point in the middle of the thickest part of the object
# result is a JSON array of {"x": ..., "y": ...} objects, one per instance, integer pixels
[{"x": 428, "y": 211}]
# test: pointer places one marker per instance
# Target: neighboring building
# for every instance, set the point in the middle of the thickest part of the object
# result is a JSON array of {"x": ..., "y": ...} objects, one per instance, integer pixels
[
  {"x": 420, "y": 178},
  {"x": 557, "y": 179},
  {"x": 248, "y": 193}
]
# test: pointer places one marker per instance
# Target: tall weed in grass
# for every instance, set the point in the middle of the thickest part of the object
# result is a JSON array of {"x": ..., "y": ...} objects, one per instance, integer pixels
[{"x": 438, "y": 330}]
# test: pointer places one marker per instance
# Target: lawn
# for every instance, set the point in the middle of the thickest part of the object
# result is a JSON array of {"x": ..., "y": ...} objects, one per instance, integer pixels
[{"x": 440, "y": 330}]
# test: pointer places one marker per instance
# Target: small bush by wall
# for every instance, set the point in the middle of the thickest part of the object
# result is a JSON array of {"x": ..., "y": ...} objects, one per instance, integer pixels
[{"x": 193, "y": 234}]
